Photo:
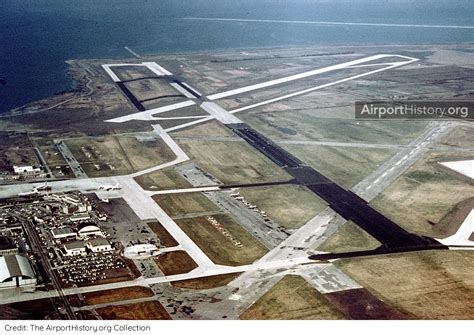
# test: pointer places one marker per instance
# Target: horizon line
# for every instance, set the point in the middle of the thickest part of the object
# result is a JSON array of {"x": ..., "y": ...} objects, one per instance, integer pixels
[{"x": 331, "y": 23}]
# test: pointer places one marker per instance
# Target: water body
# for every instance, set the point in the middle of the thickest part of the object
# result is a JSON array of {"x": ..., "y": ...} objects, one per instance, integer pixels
[{"x": 38, "y": 36}]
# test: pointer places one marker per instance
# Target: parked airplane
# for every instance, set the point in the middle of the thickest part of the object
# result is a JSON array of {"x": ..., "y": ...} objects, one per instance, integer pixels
[
  {"x": 109, "y": 187},
  {"x": 26, "y": 194},
  {"x": 36, "y": 190}
]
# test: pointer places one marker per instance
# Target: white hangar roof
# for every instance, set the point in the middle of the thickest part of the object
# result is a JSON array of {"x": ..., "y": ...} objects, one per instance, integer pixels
[{"x": 15, "y": 266}]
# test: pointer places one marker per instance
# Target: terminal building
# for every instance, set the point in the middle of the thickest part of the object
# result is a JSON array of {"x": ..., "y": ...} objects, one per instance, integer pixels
[{"x": 16, "y": 272}]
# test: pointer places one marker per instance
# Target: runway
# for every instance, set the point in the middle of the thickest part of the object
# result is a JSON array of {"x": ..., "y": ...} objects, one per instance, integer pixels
[
  {"x": 344, "y": 202},
  {"x": 214, "y": 110}
]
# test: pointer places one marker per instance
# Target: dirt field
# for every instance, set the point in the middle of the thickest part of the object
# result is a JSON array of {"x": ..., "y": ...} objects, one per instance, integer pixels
[
  {"x": 15, "y": 149},
  {"x": 347, "y": 238},
  {"x": 52, "y": 156},
  {"x": 184, "y": 203},
  {"x": 176, "y": 262},
  {"x": 345, "y": 166},
  {"x": 205, "y": 283},
  {"x": 162, "y": 180},
  {"x": 425, "y": 194},
  {"x": 15, "y": 156},
  {"x": 233, "y": 162},
  {"x": 56, "y": 161},
  {"x": 150, "y": 88},
  {"x": 40, "y": 309},
  {"x": 166, "y": 239},
  {"x": 451, "y": 222},
  {"x": 459, "y": 137},
  {"x": 291, "y": 206},
  {"x": 360, "y": 304},
  {"x": 149, "y": 310},
  {"x": 221, "y": 248},
  {"x": 132, "y": 72},
  {"x": 203, "y": 130},
  {"x": 126, "y": 293},
  {"x": 113, "y": 155},
  {"x": 423, "y": 285},
  {"x": 12, "y": 139},
  {"x": 292, "y": 298}
]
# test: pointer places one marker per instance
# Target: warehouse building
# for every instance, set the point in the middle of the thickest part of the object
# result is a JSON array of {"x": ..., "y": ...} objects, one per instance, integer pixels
[
  {"x": 89, "y": 229},
  {"x": 64, "y": 232},
  {"x": 74, "y": 248},
  {"x": 16, "y": 271},
  {"x": 99, "y": 245}
]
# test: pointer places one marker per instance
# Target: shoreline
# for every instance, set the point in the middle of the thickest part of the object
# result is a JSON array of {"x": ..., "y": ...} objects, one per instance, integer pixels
[{"x": 78, "y": 84}]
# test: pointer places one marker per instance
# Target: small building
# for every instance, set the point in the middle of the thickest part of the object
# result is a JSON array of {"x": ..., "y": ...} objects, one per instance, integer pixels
[
  {"x": 64, "y": 232},
  {"x": 80, "y": 217},
  {"x": 26, "y": 169},
  {"x": 140, "y": 251},
  {"x": 99, "y": 245},
  {"x": 71, "y": 203},
  {"x": 89, "y": 229},
  {"x": 7, "y": 246},
  {"x": 16, "y": 271},
  {"x": 74, "y": 248}
]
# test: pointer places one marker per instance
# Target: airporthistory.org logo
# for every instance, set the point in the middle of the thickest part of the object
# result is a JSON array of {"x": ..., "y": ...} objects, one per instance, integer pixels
[{"x": 414, "y": 109}]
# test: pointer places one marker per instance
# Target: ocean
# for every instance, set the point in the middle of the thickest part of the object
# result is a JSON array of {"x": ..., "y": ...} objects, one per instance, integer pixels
[{"x": 38, "y": 36}]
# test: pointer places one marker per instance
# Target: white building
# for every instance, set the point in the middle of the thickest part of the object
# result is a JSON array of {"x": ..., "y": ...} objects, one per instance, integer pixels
[
  {"x": 26, "y": 169},
  {"x": 71, "y": 203},
  {"x": 80, "y": 217},
  {"x": 99, "y": 245},
  {"x": 64, "y": 232},
  {"x": 74, "y": 248},
  {"x": 16, "y": 271},
  {"x": 89, "y": 229},
  {"x": 140, "y": 251}
]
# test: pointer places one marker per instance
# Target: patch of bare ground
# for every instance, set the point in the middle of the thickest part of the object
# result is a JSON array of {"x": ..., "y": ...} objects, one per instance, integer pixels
[
  {"x": 119, "y": 294},
  {"x": 162, "y": 180},
  {"x": 451, "y": 222},
  {"x": 349, "y": 238},
  {"x": 175, "y": 262},
  {"x": 424, "y": 194},
  {"x": 360, "y": 304},
  {"x": 422, "y": 285},
  {"x": 292, "y": 298},
  {"x": 149, "y": 310},
  {"x": 184, "y": 203},
  {"x": 223, "y": 240},
  {"x": 165, "y": 237},
  {"x": 205, "y": 283}
]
